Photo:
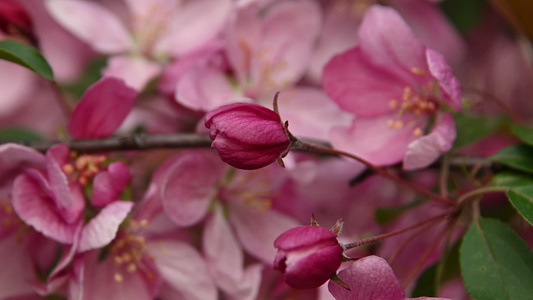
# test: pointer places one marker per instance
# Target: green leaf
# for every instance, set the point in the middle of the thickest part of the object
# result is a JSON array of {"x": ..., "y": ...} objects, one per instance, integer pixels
[
  {"x": 519, "y": 157},
  {"x": 473, "y": 128},
  {"x": 464, "y": 14},
  {"x": 26, "y": 56},
  {"x": 509, "y": 179},
  {"x": 19, "y": 134},
  {"x": 495, "y": 263},
  {"x": 522, "y": 199},
  {"x": 524, "y": 133}
]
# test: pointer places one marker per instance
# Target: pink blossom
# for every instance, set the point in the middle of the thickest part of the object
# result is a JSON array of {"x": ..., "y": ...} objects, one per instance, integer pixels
[
  {"x": 394, "y": 86},
  {"x": 194, "y": 180},
  {"x": 308, "y": 255},
  {"x": 247, "y": 136},
  {"x": 370, "y": 277},
  {"x": 181, "y": 28}
]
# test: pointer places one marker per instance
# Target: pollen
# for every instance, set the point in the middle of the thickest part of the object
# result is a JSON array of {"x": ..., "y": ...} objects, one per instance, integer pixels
[
  {"x": 398, "y": 124},
  {"x": 418, "y": 71},
  {"x": 418, "y": 132},
  {"x": 118, "y": 277},
  {"x": 393, "y": 104}
]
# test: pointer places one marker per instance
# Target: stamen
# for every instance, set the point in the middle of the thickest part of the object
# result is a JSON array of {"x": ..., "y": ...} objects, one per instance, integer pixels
[
  {"x": 418, "y": 132},
  {"x": 398, "y": 124},
  {"x": 118, "y": 277},
  {"x": 390, "y": 123},
  {"x": 418, "y": 71},
  {"x": 393, "y": 104}
]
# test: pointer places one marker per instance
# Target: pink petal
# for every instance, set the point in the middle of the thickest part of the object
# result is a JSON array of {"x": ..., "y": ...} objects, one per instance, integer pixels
[
  {"x": 37, "y": 210},
  {"x": 360, "y": 87},
  {"x": 389, "y": 42},
  {"x": 92, "y": 23},
  {"x": 425, "y": 150},
  {"x": 192, "y": 25},
  {"x": 109, "y": 184},
  {"x": 448, "y": 84},
  {"x": 15, "y": 158},
  {"x": 373, "y": 140},
  {"x": 431, "y": 26},
  {"x": 102, "y": 229},
  {"x": 225, "y": 260},
  {"x": 338, "y": 35},
  {"x": 204, "y": 88},
  {"x": 136, "y": 71},
  {"x": 222, "y": 250},
  {"x": 67, "y": 196},
  {"x": 96, "y": 280},
  {"x": 17, "y": 271},
  {"x": 176, "y": 261},
  {"x": 190, "y": 186},
  {"x": 289, "y": 33},
  {"x": 311, "y": 113},
  {"x": 257, "y": 230},
  {"x": 370, "y": 277},
  {"x": 102, "y": 109}
]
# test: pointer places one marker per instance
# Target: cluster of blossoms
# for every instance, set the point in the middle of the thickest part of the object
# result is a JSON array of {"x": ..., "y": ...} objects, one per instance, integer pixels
[{"x": 373, "y": 99}]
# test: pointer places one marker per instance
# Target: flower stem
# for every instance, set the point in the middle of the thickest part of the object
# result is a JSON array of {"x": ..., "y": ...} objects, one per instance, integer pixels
[
  {"x": 395, "y": 233},
  {"x": 299, "y": 145}
]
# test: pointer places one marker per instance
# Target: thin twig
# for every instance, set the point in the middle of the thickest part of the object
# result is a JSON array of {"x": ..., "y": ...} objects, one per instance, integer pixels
[{"x": 305, "y": 146}]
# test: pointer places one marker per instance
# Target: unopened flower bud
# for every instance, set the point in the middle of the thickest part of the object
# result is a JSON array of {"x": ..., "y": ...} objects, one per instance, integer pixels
[
  {"x": 308, "y": 255},
  {"x": 247, "y": 136}
]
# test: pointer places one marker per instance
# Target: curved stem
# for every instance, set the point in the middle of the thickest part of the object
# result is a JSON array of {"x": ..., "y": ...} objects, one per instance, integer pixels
[
  {"x": 482, "y": 191},
  {"x": 395, "y": 233},
  {"x": 299, "y": 145}
]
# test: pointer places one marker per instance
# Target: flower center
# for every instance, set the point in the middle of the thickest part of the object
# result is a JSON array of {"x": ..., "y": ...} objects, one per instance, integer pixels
[
  {"x": 128, "y": 252},
  {"x": 414, "y": 106},
  {"x": 84, "y": 167}
]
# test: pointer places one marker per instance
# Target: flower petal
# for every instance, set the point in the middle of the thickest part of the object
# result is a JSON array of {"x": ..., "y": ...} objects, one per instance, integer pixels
[
  {"x": 109, "y": 184},
  {"x": 176, "y": 261},
  {"x": 190, "y": 186},
  {"x": 370, "y": 277},
  {"x": 37, "y": 210},
  {"x": 102, "y": 229},
  {"x": 136, "y": 71},
  {"x": 373, "y": 140},
  {"x": 425, "y": 150},
  {"x": 257, "y": 230},
  {"x": 102, "y": 109},
  {"x": 92, "y": 23}
]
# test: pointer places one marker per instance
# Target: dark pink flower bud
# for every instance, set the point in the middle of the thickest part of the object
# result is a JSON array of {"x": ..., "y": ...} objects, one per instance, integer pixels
[
  {"x": 308, "y": 255},
  {"x": 247, "y": 136},
  {"x": 14, "y": 14}
]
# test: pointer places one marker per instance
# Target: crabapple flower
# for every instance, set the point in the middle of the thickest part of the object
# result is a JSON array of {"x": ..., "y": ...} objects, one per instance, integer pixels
[
  {"x": 308, "y": 255},
  {"x": 247, "y": 136},
  {"x": 396, "y": 87},
  {"x": 370, "y": 277}
]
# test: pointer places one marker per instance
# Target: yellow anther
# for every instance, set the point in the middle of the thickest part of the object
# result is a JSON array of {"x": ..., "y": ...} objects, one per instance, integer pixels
[
  {"x": 418, "y": 71},
  {"x": 144, "y": 223},
  {"x": 418, "y": 132},
  {"x": 126, "y": 257},
  {"x": 407, "y": 93},
  {"x": 68, "y": 169},
  {"x": 118, "y": 277},
  {"x": 141, "y": 241},
  {"x": 398, "y": 124},
  {"x": 118, "y": 260},
  {"x": 393, "y": 104},
  {"x": 390, "y": 123},
  {"x": 83, "y": 180},
  {"x": 132, "y": 267}
]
